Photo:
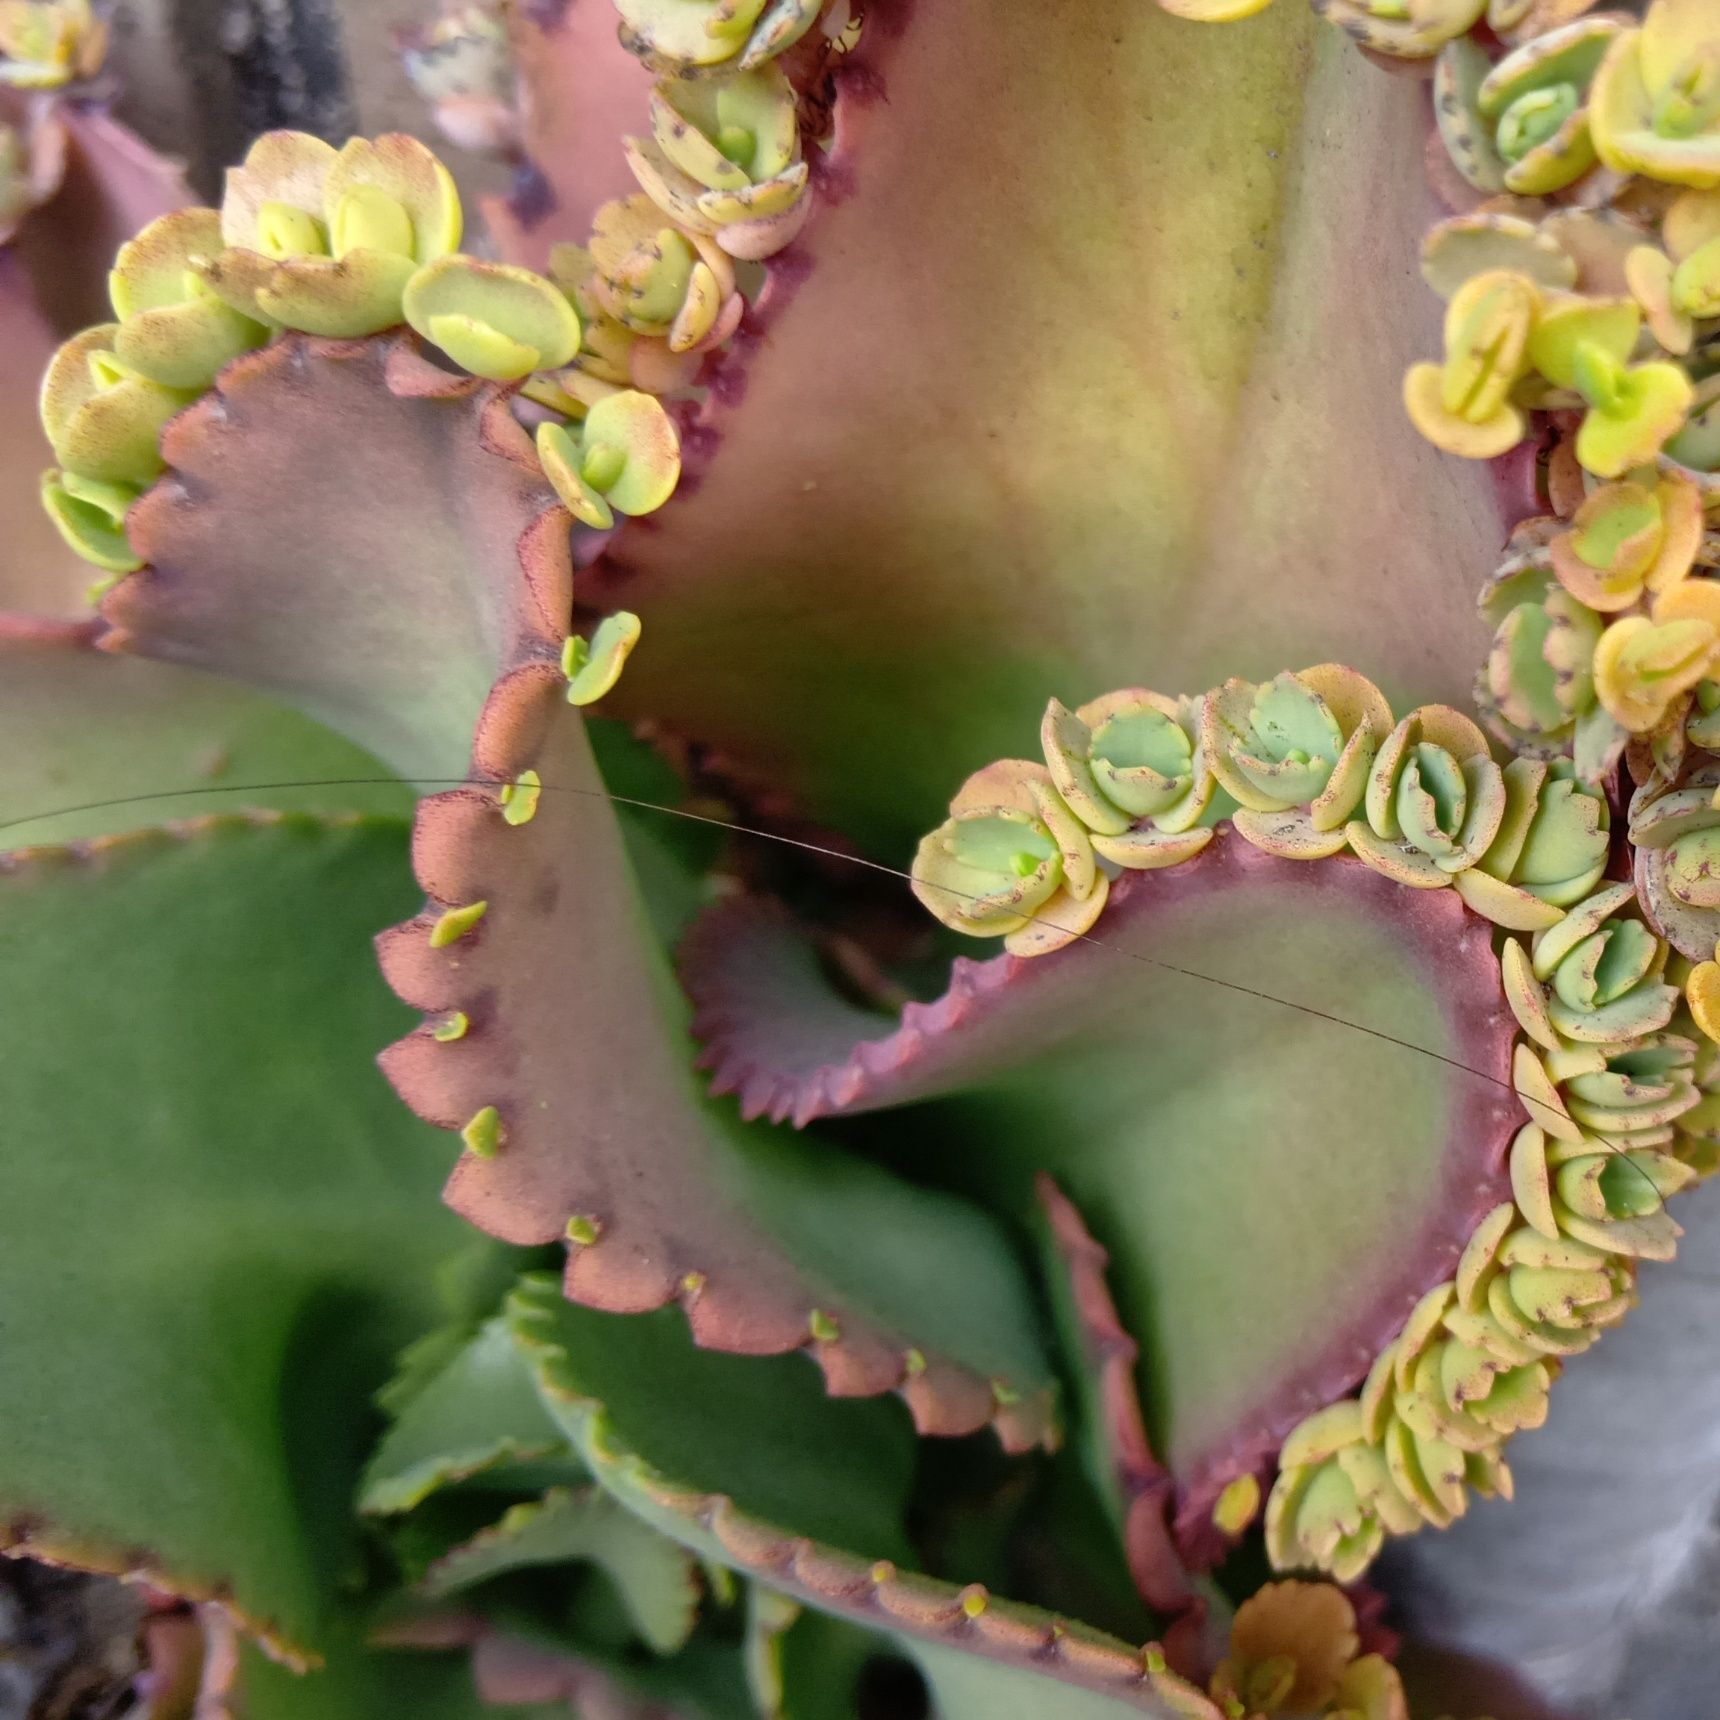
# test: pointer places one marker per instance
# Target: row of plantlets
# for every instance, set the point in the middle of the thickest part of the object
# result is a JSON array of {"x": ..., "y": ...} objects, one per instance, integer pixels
[{"x": 345, "y": 244}]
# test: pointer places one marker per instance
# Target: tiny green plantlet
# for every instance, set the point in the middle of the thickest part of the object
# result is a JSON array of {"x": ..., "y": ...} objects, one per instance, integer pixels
[{"x": 913, "y": 1185}]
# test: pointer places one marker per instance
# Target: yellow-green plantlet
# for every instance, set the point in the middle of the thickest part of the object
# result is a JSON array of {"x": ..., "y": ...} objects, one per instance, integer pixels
[
  {"x": 1585, "y": 346},
  {"x": 1522, "y": 125},
  {"x": 103, "y": 416},
  {"x": 494, "y": 320},
  {"x": 681, "y": 34},
  {"x": 1435, "y": 800},
  {"x": 172, "y": 328},
  {"x": 1011, "y": 861},
  {"x": 1410, "y": 32},
  {"x": 45, "y": 44},
  {"x": 624, "y": 458},
  {"x": 1464, "y": 405},
  {"x": 1656, "y": 97},
  {"x": 1295, "y": 753},
  {"x": 655, "y": 279},
  {"x": 324, "y": 240},
  {"x": 1543, "y": 1275},
  {"x": 723, "y": 158}
]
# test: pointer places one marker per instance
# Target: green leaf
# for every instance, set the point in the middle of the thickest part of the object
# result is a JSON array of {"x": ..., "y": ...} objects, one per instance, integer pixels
[
  {"x": 967, "y": 1687},
  {"x": 606, "y": 1136},
  {"x": 133, "y": 743},
  {"x": 421, "y": 604},
  {"x": 363, "y": 1683},
  {"x": 479, "y": 1409},
  {"x": 220, "y": 1227},
  {"x": 757, "y": 1429},
  {"x": 1264, "y": 1084},
  {"x": 746, "y": 1463},
  {"x": 653, "y": 1576},
  {"x": 816, "y": 1665}
]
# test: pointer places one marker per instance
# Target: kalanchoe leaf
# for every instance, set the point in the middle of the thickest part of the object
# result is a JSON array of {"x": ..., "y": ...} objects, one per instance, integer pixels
[
  {"x": 273, "y": 202},
  {"x": 90, "y": 516},
  {"x": 593, "y": 667},
  {"x": 1458, "y": 74},
  {"x": 1628, "y": 538},
  {"x": 754, "y": 222},
  {"x": 1118, "y": 1011},
  {"x": 1552, "y": 841},
  {"x": 1137, "y": 406},
  {"x": 746, "y": 1486},
  {"x": 659, "y": 281},
  {"x": 46, "y": 44},
  {"x": 325, "y": 240},
  {"x": 38, "y": 574},
  {"x": 103, "y": 416},
  {"x": 728, "y": 132},
  {"x": 1010, "y": 854},
  {"x": 1406, "y": 33},
  {"x": 281, "y": 1225},
  {"x": 1641, "y": 666},
  {"x": 1539, "y": 1580},
  {"x": 1435, "y": 790},
  {"x": 1672, "y": 827},
  {"x": 153, "y": 743},
  {"x": 475, "y": 549},
  {"x": 1134, "y": 1484},
  {"x": 1649, "y": 272},
  {"x": 1536, "y": 689},
  {"x": 652, "y": 1575},
  {"x": 478, "y": 1410},
  {"x": 676, "y": 35},
  {"x": 1291, "y": 1645},
  {"x": 627, "y": 459},
  {"x": 1468, "y": 245},
  {"x": 1463, "y": 406}
]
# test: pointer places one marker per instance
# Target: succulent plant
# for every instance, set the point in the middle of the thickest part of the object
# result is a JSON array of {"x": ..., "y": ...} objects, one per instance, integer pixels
[
  {"x": 630, "y": 617},
  {"x": 1522, "y": 124}
]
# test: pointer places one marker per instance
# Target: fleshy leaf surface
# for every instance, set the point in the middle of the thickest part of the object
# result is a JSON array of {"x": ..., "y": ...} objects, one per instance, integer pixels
[
  {"x": 747, "y": 1479},
  {"x": 204, "y": 1181},
  {"x": 479, "y": 1409},
  {"x": 99, "y": 744},
  {"x": 652, "y": 1575},
  {"x": 1085, "y": 373},
  {"x": 359, "y": 1682},
  {"x": 372, "y": 539},
  {"x": 1277, "y": 1092}
]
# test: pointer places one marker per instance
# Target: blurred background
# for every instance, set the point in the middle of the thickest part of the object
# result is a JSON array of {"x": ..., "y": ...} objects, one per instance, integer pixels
[{"x": 200, "y": 78}]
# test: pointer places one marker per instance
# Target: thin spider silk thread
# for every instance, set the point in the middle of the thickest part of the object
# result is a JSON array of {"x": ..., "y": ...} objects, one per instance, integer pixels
[{"x": 1528, "y": 1101}]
